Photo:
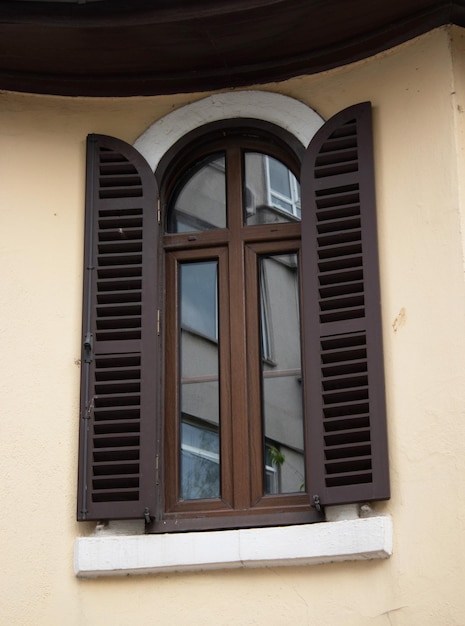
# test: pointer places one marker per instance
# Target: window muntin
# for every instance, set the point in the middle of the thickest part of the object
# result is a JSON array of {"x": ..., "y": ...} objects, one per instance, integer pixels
[{"x": 246, "y": 475}]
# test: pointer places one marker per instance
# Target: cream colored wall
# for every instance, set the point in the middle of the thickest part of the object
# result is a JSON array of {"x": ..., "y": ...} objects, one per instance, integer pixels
[{"x": 419, "y": 150}]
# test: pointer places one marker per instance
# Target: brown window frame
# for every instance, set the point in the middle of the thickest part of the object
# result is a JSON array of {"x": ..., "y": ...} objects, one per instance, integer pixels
[{"x": 237, "y": 248}]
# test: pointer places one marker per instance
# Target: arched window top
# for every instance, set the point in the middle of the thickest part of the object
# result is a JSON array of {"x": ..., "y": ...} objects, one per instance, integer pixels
[
  {"x": 259, "y": 160},
  {"x": 287, "y": 113}
]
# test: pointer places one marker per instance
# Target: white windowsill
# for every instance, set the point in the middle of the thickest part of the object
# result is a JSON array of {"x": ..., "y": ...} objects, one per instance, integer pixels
[{"x": 309, "y": 544}]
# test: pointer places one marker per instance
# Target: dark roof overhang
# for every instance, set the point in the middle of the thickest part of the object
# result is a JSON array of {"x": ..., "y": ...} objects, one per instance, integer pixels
[{"x": 148, "y": 47}]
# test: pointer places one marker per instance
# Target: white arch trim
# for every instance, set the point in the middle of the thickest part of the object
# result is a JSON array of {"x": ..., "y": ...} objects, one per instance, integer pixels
[{"x": 286, "y": 112}]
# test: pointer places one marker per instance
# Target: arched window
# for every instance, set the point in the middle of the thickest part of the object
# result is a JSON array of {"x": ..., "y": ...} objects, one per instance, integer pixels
[
  {"x": 234, "y": 419},
  {"x": 232, "y": 357}
]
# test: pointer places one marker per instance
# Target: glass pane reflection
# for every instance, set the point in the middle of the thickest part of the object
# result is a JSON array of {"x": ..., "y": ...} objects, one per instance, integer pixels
[
  {"x": 272, "y": 192},
  {"x": 200, "y": 461},
  {"x": 200, "y": 202},
  {"x": 199, "y": 445},
  {"x": 284, "y": 469},
  {"x": 199, "y": 298}
]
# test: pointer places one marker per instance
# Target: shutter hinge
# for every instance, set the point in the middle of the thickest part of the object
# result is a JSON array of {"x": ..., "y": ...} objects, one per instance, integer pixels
[
  {"x": 316, "y": 502},
  {"x": 147, "y": 516},
  {"x": 158, "y": 322},
  {"x": 156, "y": 470},
  {"x": 88, "y": 348},
  {"x": 158, "y": 211}
]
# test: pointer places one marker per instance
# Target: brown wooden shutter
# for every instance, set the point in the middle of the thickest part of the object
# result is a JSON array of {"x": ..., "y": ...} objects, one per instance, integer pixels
[
  {"x": 120, "y": 379},
  {"x": 344, "y": 378}
]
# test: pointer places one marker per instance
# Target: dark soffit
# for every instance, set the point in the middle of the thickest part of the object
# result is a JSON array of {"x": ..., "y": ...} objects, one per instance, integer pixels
[{"x": 149, "y": 47}]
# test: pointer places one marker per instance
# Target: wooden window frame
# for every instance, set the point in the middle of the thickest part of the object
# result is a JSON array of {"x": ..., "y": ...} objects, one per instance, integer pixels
[{"x": 237, "y": 249}]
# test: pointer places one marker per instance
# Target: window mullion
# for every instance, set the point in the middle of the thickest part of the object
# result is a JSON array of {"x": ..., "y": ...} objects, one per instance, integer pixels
[{"x": 238, "y": 379}]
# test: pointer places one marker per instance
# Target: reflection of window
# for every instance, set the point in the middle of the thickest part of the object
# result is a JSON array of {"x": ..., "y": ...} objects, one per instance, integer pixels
[
  {"x": 199, "y": 460},
  {"x": 272, "y": 193},
  {"x": 283, "y": 187}
]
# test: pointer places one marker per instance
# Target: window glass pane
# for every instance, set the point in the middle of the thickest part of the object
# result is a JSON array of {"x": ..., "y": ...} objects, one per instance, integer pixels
[
  {"x": 279, "y": 177},
  {"x": 199, "y": 202},
  {"x": 200, "y": 455},
  {"x": 272, "y": 192},
  {"x": 284, "y": 470},
  {"x": 200, "y": 461},
  {"x": 199, "y": 298}
]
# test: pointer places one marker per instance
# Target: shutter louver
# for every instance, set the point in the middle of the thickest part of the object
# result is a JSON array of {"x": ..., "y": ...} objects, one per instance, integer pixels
[
  {"x": 345, "y": 400},
  {"x": 120, "y": 364}
]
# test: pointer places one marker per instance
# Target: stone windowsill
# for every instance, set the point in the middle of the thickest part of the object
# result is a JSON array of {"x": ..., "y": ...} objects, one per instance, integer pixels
[{"x": 308, "y": 544}]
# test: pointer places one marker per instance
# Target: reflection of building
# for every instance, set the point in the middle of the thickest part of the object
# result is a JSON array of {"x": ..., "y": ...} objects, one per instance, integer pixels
[
  {"x": 272, "y": 190},
  {"x": 281, "y": 376},
  {"x": 206, "y": 185},
  {"x": 282, "y": 389},
  {"x": 200, "y": 204}
]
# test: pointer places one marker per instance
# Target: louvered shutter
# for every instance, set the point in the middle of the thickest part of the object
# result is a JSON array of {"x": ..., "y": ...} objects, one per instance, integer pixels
[
  {"x": 344, "y": 379},
  {"x": 118, "y": 420}
]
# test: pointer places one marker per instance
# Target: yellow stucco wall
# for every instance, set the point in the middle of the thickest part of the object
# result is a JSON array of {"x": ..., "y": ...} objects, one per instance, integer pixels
[{"x": 418, "y": 94}]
